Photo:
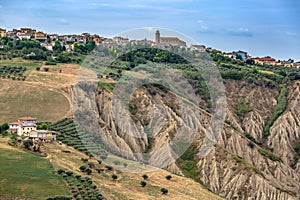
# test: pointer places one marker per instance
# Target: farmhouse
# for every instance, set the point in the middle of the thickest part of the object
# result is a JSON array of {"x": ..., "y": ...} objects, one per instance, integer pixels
[
  {"x": 265, "y": 61},
  {"x": 23, "y": 126},
  {"x": 42, "y": 135}
]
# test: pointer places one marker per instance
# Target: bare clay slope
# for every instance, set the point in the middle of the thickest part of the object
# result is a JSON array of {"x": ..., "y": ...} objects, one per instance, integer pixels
[{"x": 237, "y": 168}]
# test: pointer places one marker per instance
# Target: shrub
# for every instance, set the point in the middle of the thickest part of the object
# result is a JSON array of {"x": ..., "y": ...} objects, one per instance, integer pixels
[
  {"x": 242, "y": 108},
  {"x": 164, "y": 190},
  {"x": 99, "y": 162},
  {"x": 114, "y": 177},
  {"x": 143, "y": 183},
  {"x": 168, "y": 177},
  {"x": 27, "y": 144},
  {"x": 88, "y": 171},
  {"x": 278, "y": 110},
  {"x": 269, "y": 155},
  {"x": 116, "y": 162},
  {"x": 103, "y": 156},
  {"x": 91, "y": 165},
  {"x": 82, "y": 168},
  {"x": 145, "y": 176},
  {"x": 69, "y": 173},
  {"x": 60, "y": 171},
  {"x": 84, "y": 160},
  {"x": 108, "y": 167},
  {"x": 77, "y": 176}
]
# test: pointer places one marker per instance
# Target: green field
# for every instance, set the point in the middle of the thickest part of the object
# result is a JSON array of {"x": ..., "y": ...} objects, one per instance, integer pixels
[
  {"x": 26, "y": 175},
  {"x": 19, "y": 62}
]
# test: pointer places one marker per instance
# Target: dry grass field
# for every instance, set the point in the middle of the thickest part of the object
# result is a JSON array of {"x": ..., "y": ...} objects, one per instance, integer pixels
[
  {"x": 45, "y": 95},
  {"x": 127, "y": 186}
]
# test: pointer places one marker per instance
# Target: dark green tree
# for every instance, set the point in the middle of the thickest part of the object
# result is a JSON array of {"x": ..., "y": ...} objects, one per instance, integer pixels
[
  {"x": 164, "y": 190},
  {"x": 143, "y": 183},
  {"x": 168, "y": 177},
  {"x": 4, "y": 127},
  {"x": 27, "y": 144},
  {"x": 57, "y": 48},
  {"x": 114, "y": 177},
  {"x": 145, "y": 176}
]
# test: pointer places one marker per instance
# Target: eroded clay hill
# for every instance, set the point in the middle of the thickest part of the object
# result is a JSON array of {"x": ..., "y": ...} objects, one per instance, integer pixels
[{"x": 243, "y": 164}]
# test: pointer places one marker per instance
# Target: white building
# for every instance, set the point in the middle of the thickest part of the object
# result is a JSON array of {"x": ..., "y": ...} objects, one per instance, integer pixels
[
  {"x": 23, "y": 126},
  {"x": 42, "y": 135}
]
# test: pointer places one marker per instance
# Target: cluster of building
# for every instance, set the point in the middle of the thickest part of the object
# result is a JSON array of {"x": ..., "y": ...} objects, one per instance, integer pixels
[
  {"x": 27, "y": 127},
  {"x": 48, "y": 41}
]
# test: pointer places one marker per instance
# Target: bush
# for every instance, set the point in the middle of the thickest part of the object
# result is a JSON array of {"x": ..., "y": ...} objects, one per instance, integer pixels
[
  {"x": 108, "y": 167},
  {"x": 242, "y": 108},
  {"x": 82, "y": 168},
  {"x": 91, "y": 164},
  {"x": 164, "y": 190},
  {"x": 60, "y": 171},
  {"x": 143, "y": 183},
  {"x": 168, "y": 177},
  {"x": 103, "y": 156},
  {"x": 114, "y": 177},
  {"x": 116, "y": 162},
  {"x": 88, "y": 171},
  {"x": 278, "y": 110},
  {"x": 269, "y": 155},
  {"x": 69, "y": 173},
  {"x": 84, "y": 160},
  {"x": 99, "y": 162},
  {"x": 145, "y": 176},
  {"x": 27, "y": 144}
]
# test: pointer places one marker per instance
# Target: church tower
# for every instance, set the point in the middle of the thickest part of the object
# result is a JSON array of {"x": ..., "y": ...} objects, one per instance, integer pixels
[{"x": 157, "y": 37}]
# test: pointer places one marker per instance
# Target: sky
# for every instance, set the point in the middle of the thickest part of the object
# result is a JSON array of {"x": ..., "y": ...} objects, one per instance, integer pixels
[{"x": 260, "y": 27}]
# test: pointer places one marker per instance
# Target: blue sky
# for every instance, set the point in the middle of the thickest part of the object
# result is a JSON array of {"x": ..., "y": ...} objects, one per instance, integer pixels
[{"x": 261, "y": 27}]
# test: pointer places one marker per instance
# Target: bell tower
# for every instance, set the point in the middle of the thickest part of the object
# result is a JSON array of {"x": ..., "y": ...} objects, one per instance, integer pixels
[{"x": 157, "y": 36}]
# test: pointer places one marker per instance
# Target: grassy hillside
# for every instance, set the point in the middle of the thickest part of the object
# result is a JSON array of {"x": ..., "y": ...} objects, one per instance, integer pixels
[
  {"x": 21, "y": 99},
  {"x": 127, "y": 185},
  {"x": 26, "y": 175},
  {"x": 45, "y": 95}
]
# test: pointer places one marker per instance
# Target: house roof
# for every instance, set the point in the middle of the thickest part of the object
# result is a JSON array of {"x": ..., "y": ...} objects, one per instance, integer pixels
[
  {"x": 1, "y": 29},
  {"x": 28, "y": 125},
  {"x": 15, "y": 123},
  {"x": 266, "y": 59},
  {"x": 27, "y": 118}
]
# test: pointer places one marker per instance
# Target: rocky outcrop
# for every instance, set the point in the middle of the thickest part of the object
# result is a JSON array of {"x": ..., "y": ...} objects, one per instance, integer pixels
[{"x": 153, "y": 125}]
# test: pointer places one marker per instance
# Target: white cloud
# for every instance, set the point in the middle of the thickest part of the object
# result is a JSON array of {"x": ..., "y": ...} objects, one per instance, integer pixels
[
  {"x": 291, "y": 33},
  {"x": 241, "y": 32},
  {"x": 243, "y": 29},
  {"x": 64, "y": 21},
  {"x": 203, "y": 27},
  {"x": 200, "y": 21}
]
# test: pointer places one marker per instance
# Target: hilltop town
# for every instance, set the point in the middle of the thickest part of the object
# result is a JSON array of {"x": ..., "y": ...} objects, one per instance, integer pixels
[{"x": 73, "y": 42}]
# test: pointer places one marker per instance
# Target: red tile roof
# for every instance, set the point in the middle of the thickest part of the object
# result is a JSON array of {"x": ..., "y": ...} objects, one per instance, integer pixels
[
  {"x": 15, "y": 123},
  {"x": 27, "y": 118},
  {"x": 266, "y": 59}
]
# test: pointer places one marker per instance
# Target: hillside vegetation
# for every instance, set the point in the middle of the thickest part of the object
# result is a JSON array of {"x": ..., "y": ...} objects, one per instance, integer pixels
[{"x": 23, "y": 174}]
